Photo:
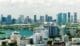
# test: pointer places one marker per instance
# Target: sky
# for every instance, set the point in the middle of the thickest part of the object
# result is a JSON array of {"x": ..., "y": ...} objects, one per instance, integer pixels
[{"x": 38, "y": 7}]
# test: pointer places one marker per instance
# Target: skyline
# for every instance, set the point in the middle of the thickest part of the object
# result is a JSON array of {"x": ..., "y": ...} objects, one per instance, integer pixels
[
  {"x": 38, "y": 7},
  {"x": 62, "y": 18}
]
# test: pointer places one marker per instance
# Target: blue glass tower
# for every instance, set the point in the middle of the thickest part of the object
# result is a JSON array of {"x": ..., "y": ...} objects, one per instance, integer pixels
[
  {"x": 59, "y": 18},
  {"x": 62, "y": 18},
  {"x": 3, "y": 20},
  {"x": 54, "y": 31},
  {"x": 49, "y": 18}
]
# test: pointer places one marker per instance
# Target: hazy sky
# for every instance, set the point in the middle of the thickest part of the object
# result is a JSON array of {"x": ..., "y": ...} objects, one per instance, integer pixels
[{"x": 39, "y": 7}]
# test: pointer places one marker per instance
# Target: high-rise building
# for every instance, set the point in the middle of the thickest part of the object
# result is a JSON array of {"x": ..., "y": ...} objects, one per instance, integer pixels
[
  {"x": 13, "y": 21},
  {"x": 69, "y": 17},
  {"x": 62, "y": 18},
  {"x": 9, "y": 19},
  {"x": 72, "y": 19},
  {"x": 75, "y": 17},
  {"x": 59, "y": 18},
  {"x": 41, "y": 19},
  {"x": 46, "y": 18},
  {"x": 26, "y": 20},
  {"x": 35, "y": 18},
  {"x": 49, "y": 18},
  {"x": 3, "y": 19},
  {"x": 21, "y": 19},
  {"x": 30, "y": 20},
  {"x": 54, "y": 31}
]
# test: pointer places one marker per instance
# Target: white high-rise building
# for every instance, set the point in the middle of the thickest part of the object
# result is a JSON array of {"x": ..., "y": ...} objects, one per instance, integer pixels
[
  {"x": 40, "y": 35},
  {"x": 20, "y": 19}
]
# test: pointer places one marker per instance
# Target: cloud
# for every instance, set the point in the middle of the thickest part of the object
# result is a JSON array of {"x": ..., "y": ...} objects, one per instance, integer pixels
[
  {"x": 30, "y": 7},
  {"x": 42, "y": 2}
]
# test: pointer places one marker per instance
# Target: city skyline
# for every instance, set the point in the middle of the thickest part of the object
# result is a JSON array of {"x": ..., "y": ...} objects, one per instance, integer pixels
[
  {"x": 62, "y": 18},
  {"x": 39, "y": 22},
  {"x": 38, "y": 7},
  {"x": 38, "y": 16}
]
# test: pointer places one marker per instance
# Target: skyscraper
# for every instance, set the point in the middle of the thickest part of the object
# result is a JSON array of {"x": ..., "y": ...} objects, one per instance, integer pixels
[
  {"x": 9, "y": 19},
  {"x": 72, "y": 19},
  {"x": 59, "y": 18},
  {"x": 41, "y": 19},
  {"x": 53, "y": 31},
  {"x": 3, "y": 19},
  {"x": 21, "y": 19},
  {"x": 13, "y": 21},
  {"x": 46, "y": 18},
  {"x": 62, "y": 18},
  {"x": 26, "y": 20},
  {"x": 49, "y": 19},
  {"x": 69, "y": 17},
  {"x": 35, "y": 18},
  {"x": 30, "y": 20},
  {"x": 75, "y": 17}
]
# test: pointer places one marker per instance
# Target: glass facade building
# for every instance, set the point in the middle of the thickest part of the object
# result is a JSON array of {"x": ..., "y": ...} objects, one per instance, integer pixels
[{"x": 54, "y": 31}]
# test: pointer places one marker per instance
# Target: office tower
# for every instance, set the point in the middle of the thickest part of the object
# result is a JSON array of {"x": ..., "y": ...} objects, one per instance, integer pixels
[
  {"x": 59, "y": 18},
  {"x": 72, "y": 19},
  {"x": 41, "y": 19},
  {"x": 37, "y": 38},
  {"x": 35, "y": 18},
  {"x": 26, "y": 20},
  {"x": 9, "y": 19},
  {"x": 21, "y": 19},
  {"x": 3, "y": 20},
  {"x": 30, "y": 20},
  {"x": 49, "y": 18},
  {"x": 40, "y": 34},
  {"x": 69, "y": 17},
  {"x": 62, "y": 18},
  {"x": 46, "y": 18},
  {"x": 75, "y": 17},
  {"x": 53, "y": 31},
  {"x": 13, "y": 21}
]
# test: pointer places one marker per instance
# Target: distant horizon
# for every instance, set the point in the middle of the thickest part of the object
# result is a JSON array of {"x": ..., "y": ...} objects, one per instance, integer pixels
[
  {"x": 38, "y": 16},
  {"x": 38, "y": 7}
]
